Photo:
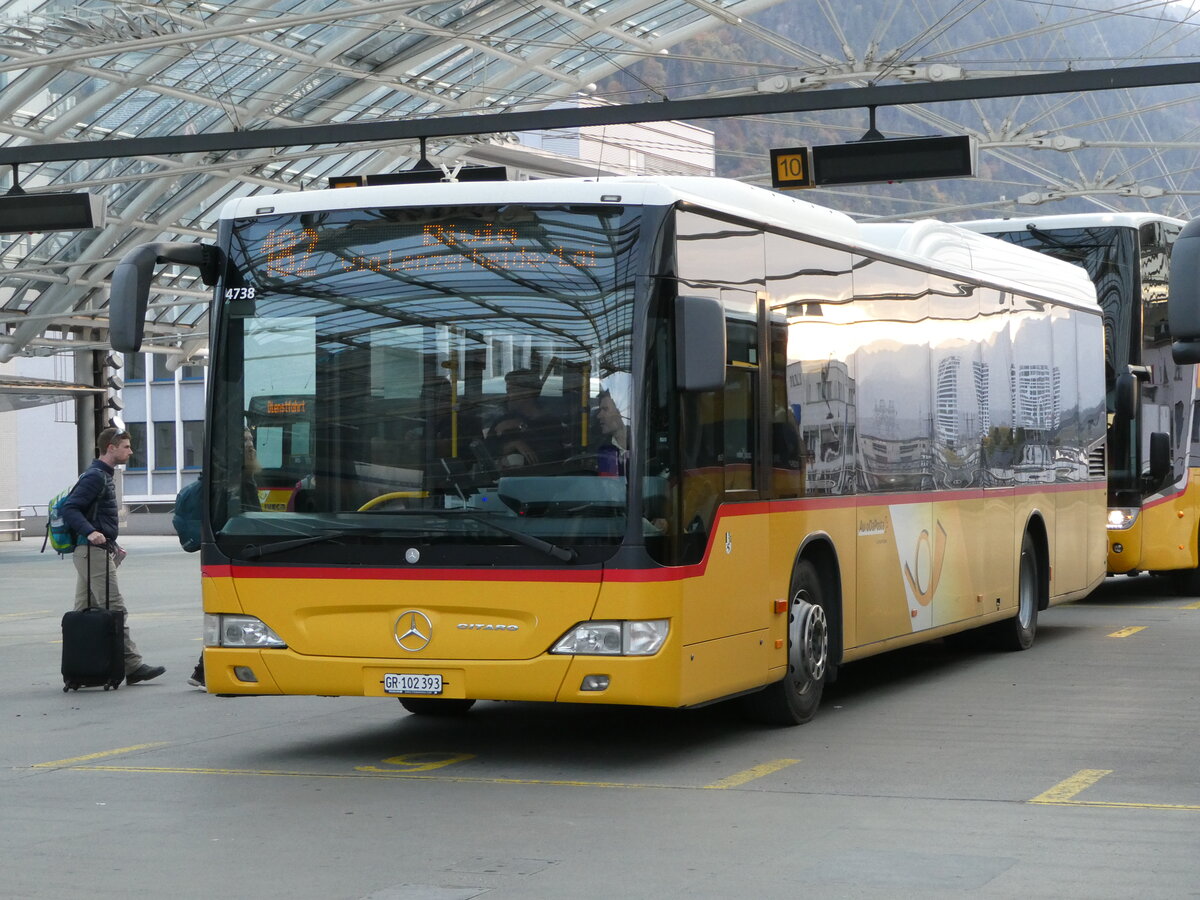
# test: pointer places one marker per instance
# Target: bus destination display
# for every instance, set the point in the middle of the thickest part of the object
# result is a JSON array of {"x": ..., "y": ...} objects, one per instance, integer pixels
[{"x": 436, "y": 249}]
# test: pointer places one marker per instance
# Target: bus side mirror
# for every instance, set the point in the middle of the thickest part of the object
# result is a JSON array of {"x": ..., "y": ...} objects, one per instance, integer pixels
[
  {"x": 1183, "y": 298},
  {"x": 699, "y": 344},
  {"x": 1125, "y": 397},
  {"x": 1160, "y": 457},
  {"x": 129, "y": 292}
]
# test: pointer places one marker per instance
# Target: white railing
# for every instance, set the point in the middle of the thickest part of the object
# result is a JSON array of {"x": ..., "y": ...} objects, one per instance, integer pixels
[{"x": 11, "y": 525}]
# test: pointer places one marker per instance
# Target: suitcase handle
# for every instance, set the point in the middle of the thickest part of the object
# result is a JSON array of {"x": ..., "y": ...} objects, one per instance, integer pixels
[{"x": 89, "y": 546}]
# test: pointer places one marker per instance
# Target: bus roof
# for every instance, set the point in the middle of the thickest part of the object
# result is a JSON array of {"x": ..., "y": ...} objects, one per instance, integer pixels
[
  {"x": 714, "y": 193},
  {"x": 1067, "y": 220},
  {"x": 927, "y": 243},
  {"x": 952, "y": 248}
]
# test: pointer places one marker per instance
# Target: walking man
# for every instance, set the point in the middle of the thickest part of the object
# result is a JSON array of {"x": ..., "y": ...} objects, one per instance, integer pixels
[{"x": 91, "y": 513}]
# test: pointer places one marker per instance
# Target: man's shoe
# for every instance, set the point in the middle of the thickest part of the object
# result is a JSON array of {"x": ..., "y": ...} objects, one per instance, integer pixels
[
  {"x": 197, "y": 679},
  {"x": 144, "y": 673}
]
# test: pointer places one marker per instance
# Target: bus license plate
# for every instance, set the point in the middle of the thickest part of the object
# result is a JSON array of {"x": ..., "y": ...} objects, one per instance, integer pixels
[{"x": 412, "y": 684}]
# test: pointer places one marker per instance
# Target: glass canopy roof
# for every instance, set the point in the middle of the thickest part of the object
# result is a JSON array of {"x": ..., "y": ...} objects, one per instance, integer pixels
[
  {"x": 92, "y": 70},
  {"x": 75, "y": 71}
]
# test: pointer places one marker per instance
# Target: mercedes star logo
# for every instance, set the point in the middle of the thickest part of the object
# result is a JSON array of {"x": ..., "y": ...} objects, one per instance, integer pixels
[{"x": 413, "y": 631}]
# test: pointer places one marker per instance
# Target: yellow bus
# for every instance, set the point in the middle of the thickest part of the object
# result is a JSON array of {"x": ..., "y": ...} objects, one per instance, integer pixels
[
  {"x": 631, "y": 441},
  {"x": 1153, "y": 441}
]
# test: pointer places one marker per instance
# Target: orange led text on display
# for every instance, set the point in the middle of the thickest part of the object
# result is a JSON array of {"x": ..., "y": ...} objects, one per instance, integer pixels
[
  {"x": 279, "y": 407},
  {"x": 290, "y": 253}
]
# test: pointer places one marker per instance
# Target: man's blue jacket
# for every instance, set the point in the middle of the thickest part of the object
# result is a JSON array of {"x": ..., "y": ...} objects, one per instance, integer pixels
[{"x": 95, "y": 488}]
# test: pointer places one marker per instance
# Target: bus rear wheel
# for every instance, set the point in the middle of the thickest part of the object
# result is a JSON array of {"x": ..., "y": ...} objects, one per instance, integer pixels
[
  {"x": 428, "y": 706},
  {"x": 794, "y": 699}
]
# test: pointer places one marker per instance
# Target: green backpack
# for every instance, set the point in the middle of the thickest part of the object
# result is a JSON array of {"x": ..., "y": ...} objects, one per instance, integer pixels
[{"x": 58, "y": 533}]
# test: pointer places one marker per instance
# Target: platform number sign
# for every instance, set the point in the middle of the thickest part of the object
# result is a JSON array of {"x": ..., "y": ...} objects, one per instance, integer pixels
[{"x": 790, "y": 168}]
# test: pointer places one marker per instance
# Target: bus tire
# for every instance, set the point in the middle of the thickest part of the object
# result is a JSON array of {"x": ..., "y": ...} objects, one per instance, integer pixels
[
  {"x": 1018, "y": 632},
  {"x": 1186, "y": 582},
  {"x": 429, "y": 706},
  {"x": 793, "y": 700}
]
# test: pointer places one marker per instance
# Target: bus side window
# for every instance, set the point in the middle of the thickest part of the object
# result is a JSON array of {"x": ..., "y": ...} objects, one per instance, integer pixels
[
  {"x": 739, "y": 413},
  {"x": 787, "y": 450}
]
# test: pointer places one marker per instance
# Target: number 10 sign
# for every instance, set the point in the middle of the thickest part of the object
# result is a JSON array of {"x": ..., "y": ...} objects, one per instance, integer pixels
[{"x": 790, "y": 168}]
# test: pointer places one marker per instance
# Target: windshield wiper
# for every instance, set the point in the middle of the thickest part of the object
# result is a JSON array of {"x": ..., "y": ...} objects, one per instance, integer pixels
[
  {"x": 1077, "y": 249},
  {"x": 255, "y": 551},
  {"x": 563, "y": 554}
]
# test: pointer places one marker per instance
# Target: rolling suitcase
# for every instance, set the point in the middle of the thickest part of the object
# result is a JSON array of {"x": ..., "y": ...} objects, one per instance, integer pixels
[{"x": 93, "y": 650}]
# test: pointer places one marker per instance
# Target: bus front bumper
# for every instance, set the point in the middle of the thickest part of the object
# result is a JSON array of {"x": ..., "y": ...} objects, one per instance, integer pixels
[{"x": 643, "y": 681}]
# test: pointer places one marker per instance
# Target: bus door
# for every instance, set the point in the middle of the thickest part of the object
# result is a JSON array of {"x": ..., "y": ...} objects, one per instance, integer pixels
[
  {"x": 722, "y": 489},
  {"x": 721, "y": 454}
]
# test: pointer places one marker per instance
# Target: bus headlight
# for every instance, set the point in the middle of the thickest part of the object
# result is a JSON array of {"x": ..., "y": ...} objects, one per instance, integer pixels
[
  {"x": 239, "y": 631},
  {"x": 628, "y": 638},
  {"x": 1120, "y": 518}
]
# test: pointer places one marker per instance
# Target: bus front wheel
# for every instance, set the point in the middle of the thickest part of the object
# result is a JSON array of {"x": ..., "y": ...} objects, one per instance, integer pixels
[
  {"x": 427, "y": 706},
  {"x": 1018, "y": 632},
  {"x": 794, "y": 699},
  {"x": 1186, "y": 582}
]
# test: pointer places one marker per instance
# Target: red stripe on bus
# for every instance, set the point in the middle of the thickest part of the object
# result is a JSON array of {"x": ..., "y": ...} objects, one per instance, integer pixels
[
  {"x": 352, "y": 573},
  {"x": 1166, "y": 498},
  {"x": 631, "y": 576}
]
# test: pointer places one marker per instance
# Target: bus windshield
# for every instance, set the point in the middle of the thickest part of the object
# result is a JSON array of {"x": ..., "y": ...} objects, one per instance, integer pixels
[
  {"x": 443, "y": 377},
  {"x": 1110, "y": 257}
]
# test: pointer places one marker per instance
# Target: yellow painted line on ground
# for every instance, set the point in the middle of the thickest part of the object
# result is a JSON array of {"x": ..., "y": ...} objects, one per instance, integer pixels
[
  {"x": 101, "y": 755},
  {"x": 24, "y": 615},
  {"x": 1126, "y": 632},
  {"x": 1195, "y": 605},
  {"x": 374, "y": 772},
  {"x": 750, "y": 774},
  {"x": 378, "y": 773},
  {"x": 1065, "y": 790},
  {"x": 1064, "y": 793},
  {"x": 1104, "y": 804}
]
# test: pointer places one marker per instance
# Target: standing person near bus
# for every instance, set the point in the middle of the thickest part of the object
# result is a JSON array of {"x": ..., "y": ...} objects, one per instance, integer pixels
[
  {"x": 186, "y": 516},
  {"x": 186, "y": 520},
  {"x": 91, "y": 513}
]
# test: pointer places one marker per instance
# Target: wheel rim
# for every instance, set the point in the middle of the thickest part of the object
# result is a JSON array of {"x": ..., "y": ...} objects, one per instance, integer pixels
[
  {"x": 809, "y": 642},
  {"x": 1028, "y": 598}
]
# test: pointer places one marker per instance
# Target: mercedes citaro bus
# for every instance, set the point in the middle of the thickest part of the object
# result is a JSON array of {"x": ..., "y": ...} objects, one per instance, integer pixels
[{"x": 657, "y": 441}]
